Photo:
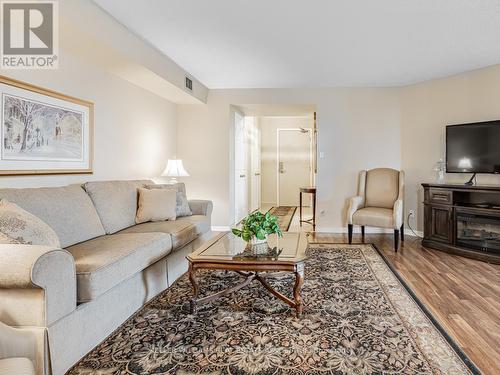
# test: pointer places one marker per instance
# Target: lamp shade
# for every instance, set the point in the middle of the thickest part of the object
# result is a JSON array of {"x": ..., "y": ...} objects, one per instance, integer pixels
[{"x": 175, "y": 168}]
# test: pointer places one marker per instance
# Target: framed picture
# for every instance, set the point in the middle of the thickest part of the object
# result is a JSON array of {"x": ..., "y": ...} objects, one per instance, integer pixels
[{"x": 43, "y": 132}]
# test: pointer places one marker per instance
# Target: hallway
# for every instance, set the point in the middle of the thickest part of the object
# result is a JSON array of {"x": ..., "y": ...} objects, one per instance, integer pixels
[{"x": 295, "y": 225}]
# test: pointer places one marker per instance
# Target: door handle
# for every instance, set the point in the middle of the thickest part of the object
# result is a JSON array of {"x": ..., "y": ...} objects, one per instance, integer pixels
[
  {"x": 257, "y": 174},
  {"x": 282, "y": 169},
  {"x": 242, "y": 175}
]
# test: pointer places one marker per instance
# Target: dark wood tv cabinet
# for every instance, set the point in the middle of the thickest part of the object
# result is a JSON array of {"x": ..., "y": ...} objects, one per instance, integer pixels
[{"x": 463, "y": 220}]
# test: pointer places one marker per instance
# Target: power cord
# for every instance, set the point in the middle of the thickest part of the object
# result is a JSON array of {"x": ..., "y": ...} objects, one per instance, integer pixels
[{"x": 409, "y": 225}]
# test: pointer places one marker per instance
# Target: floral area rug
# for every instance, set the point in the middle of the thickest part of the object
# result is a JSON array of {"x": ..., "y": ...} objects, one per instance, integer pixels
[{"x": 359, "y": 319}]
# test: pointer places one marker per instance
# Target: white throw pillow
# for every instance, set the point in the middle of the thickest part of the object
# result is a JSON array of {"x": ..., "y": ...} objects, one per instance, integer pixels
[
  {"x": 25, "y": 227},
  {"x": 156, "y": 205},
  {"x": 182, "y": 208}
]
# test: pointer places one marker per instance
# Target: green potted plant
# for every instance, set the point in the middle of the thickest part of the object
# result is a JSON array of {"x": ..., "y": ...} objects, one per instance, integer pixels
[{"x": 256, "y": 227}]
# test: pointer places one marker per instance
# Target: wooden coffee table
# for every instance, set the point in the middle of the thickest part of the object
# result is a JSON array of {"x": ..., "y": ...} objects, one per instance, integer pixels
[{"x": 228, "y": 252}]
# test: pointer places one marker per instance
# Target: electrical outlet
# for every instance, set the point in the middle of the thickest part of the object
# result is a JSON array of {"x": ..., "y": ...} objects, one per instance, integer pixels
[{"x": 411, "y": 213}]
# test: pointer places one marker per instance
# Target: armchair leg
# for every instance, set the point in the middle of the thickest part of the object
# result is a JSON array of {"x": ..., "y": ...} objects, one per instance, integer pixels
[
  {"x": 349, "y": 233},
  {"x": 363, "y": 232},
  {"x": 402, "y": 232},
  {"x": 396, "y": 239}
]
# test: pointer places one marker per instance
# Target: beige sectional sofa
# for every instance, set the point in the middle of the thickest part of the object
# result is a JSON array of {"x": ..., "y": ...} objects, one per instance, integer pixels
[{"x": 70, "y": 299}]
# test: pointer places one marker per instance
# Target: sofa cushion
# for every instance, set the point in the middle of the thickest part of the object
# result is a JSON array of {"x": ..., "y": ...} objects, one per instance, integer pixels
[
  {"x": 106, "y": 261},
  {"x": 67, "y": 210},
  {"x": 374, "y": 217},
  {"x": 25, "y": 227},
  {"x": 201, "y": 223},
  {"x": 179, "y": 186},
  {"x": 17, "y": 366},
  {"x": 181, "y": 231},
  {"x": 115, "y": 202}
]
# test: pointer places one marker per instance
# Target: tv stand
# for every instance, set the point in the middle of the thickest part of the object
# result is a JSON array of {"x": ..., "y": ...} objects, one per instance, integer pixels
[
  {"x": 463, "y": 220},
  {"x": 471, "y": 181}
]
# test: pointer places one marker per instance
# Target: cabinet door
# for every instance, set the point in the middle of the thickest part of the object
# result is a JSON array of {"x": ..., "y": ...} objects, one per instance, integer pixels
[{"x": 439, "y": 226}]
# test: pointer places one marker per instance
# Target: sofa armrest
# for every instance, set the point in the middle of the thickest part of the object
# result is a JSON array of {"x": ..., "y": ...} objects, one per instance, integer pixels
[
  {"x": 355, "y": 203},
  {"x": 201, "y": 207},
  {"x": 397, "y": 213},
  {"x": 31, "y": 267}
]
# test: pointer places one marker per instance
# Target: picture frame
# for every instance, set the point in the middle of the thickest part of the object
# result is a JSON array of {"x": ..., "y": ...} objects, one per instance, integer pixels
[{"x": 43, "y": 131}]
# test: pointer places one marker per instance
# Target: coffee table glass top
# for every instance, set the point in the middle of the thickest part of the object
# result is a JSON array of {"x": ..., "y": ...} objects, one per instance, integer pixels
[{"x": 291, "y": 248}]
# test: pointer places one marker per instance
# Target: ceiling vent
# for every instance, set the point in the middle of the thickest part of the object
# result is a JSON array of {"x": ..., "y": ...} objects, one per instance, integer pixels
[{"x": 189, "y": 84}]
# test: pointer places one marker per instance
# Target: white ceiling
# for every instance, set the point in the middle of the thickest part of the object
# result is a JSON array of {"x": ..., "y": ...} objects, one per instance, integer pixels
[{"x": 317, "y": 43}]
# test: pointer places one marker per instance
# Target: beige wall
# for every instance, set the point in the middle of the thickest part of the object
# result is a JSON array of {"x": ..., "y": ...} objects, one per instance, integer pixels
[
  {"x": 269, "y": 127},
  {"x": 135, "y": 130},
  {"x": 358, "y": 128},
  {"x": 426, "y": 109}
]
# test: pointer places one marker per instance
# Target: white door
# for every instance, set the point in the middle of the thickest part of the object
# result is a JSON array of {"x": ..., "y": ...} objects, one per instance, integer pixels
[
  {"x": 254, "y": 136},
  {"x": 240, "y": 166},
  {"x": 294, "y": 164}
]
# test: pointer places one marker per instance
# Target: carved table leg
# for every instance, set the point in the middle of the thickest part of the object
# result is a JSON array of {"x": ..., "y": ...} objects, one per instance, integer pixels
[
  {"x": 299, "y": 280},
  {"x": 194, "y": 283}
]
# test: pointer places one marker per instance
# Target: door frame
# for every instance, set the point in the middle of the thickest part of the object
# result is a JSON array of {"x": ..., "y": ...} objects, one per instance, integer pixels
[
  {"x": 255, "y": 171},
  {"x": 311, "y": 158},
  {"x": 234, "y": 111}
]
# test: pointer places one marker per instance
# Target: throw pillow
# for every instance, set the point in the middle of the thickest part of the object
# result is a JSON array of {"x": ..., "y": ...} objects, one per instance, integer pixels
[
  {"x": 25, "y": 227},
  {"x": 4, "y": 239},
  {"x": 156, "y": 205},
  {"x": 182, "y": 208}
]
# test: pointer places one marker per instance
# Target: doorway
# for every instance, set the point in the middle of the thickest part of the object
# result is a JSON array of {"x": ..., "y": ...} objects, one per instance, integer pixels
[
  {"x": 287, "y": 152},
  {"x": 294, "y": 164},
  {"x": 272, "y": 156}
]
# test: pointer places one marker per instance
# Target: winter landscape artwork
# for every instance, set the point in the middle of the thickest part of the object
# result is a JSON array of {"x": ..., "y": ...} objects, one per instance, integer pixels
[
  {"x": 37, "y": 131},
  {"x": 43, "y": 131}
]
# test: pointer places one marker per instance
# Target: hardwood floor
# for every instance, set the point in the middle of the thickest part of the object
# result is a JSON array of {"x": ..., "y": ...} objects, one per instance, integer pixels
[{"x": 462, "y": 294}]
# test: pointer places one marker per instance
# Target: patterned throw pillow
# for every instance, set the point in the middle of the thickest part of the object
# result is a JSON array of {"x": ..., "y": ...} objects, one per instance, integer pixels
[
  {"x": 26, "y": 228},
  {"x": 182, "y": 208},
  {"x": 6, "y": 240}
]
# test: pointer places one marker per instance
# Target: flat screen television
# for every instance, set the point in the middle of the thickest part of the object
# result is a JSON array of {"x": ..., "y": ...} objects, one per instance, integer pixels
[{"x": 473, "y": 148}]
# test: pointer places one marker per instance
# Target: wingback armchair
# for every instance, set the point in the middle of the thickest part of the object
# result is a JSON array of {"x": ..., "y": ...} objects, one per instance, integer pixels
[{"x": 379, "y": 202}]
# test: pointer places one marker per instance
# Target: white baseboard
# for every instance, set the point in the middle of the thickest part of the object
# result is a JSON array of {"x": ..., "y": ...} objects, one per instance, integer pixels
[
  {"x": 409, "y": 232},
  {"x": 219, "y": 228},
  {"x": 355, "y": 230},
  {"x": 368, "y": 230}
]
